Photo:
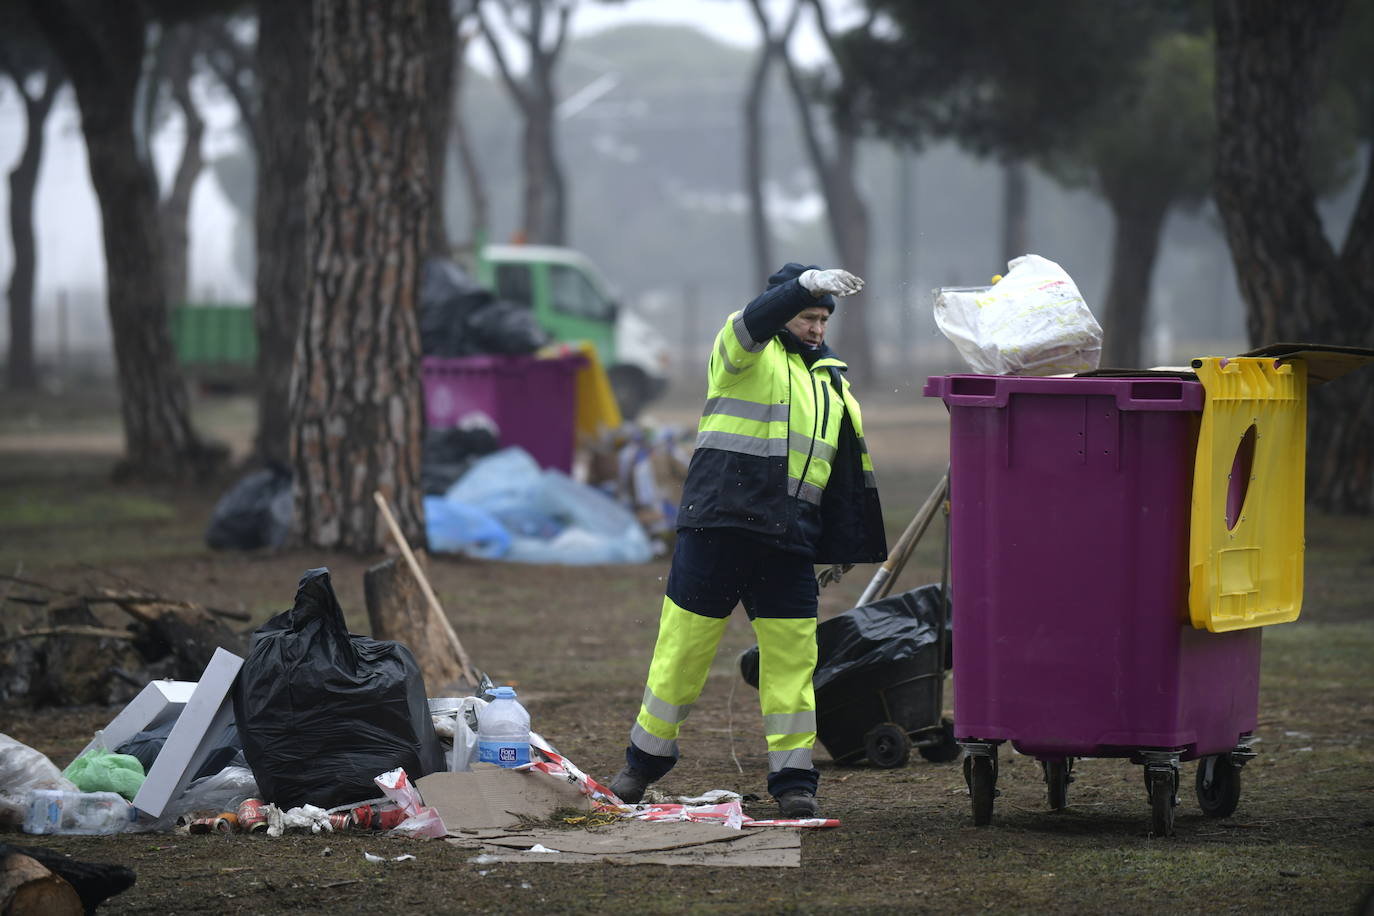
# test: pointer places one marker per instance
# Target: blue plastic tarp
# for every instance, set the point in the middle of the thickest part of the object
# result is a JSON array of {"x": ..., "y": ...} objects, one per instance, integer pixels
[{"x": 506, "y": 507}]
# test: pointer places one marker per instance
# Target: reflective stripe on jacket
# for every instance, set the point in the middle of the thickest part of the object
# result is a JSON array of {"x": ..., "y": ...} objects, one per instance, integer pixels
[{"x": 780, "y": 451}]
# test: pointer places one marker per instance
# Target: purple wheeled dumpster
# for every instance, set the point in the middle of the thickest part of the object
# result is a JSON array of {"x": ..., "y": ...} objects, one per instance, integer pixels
[{"x": 1069, "y": 524}]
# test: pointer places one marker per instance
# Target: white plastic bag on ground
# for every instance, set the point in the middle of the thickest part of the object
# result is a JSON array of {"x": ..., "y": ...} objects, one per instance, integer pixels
[
  {"x": 23, "y": 769},
  {"x": 464, "y": 752},
  {"x": 1033, "y": 321}
]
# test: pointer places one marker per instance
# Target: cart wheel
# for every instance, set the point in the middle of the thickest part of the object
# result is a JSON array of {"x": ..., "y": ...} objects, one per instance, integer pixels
[
  {"x": 887, "y": 745},
  {"x": 947, "y": 751},
  {"x": 1058, "y": 775},
  {"x": 1161, "y": 785},
  {"x": 1218, "y": 786},
  {"x": 981, "y": 774}
]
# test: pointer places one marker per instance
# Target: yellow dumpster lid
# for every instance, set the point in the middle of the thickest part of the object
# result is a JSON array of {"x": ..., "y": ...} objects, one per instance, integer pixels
[
  {"x": 1325, "y": 362},
  {"x": 1246, "y": 534}
]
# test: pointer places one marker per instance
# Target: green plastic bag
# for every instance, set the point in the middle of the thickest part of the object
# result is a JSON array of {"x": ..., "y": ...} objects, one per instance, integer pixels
[{"x": 103, "y": 771}]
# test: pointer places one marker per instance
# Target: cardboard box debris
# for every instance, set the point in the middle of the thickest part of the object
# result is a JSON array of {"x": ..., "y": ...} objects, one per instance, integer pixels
[
  {"x": 155, "y": 704},
  {"x": 207, "y": 713}
]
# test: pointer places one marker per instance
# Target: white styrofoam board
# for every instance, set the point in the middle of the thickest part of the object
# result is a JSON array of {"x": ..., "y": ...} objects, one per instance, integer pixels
[
  {"x": 155, "y": 703},
  {"x": 206, "y": 713}
]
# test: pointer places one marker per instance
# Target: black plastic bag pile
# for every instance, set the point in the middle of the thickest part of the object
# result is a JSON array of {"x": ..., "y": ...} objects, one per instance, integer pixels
[
  {"x": 255, "y": 512},
  {"x": 448, "y": 453},
  {"x": 460, "y": 318},
  {"x": 863, "y": 639},
  {"x": 321, "y": 712}
]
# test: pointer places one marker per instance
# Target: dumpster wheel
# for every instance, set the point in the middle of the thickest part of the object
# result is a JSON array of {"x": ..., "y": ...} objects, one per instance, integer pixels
[
  {"x": 887, "y": 745},
  {"x": 1162, "y": 784},
  {"x": 947, "y": 750},
  {"x": 1058, "y": 775},
  {"x": 1218, "y": 785},
  {"x": 981, "y": 773}
]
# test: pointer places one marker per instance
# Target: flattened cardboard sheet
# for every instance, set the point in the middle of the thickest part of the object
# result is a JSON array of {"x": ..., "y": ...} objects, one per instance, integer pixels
[
  {"x": 640, "y": 843},
  {"x": 492, "y": 796}
]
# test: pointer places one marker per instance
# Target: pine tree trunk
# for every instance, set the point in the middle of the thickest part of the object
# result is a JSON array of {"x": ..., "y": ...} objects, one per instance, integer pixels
[
  {"x": 540, "y": 190},
  {"x": 472, "y": 178},
  {"x": 1015, "y": 238},
  {"x": 753, "y": 164},
  {"x": 174, "y": 211},
  {"x": 440, "y": 56},
  {"x": 1135, "y": 247},
  {"x": 1295, "y": 285},
  {"x": 356, "y": 403},
  {"x": 849, "y": 232},
  {"x": 101, "y": 45},
  {"x": 283, "y": 71},
  {"x": 21, "y": 373}
]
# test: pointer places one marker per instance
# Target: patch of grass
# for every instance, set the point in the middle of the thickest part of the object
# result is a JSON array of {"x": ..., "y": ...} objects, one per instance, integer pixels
[{"x": 54, "y": 505}]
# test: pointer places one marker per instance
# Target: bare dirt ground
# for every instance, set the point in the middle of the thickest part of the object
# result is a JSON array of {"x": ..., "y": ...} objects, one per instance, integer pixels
[{"x": 576, "y": 642}]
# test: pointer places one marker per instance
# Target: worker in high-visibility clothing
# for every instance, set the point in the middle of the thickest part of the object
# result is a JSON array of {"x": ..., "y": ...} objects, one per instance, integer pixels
[{"x": 780, "y": 480}]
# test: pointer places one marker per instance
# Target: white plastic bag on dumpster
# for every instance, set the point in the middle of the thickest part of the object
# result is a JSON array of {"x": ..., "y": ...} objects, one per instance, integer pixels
[{"x": 1031, "y": 322}]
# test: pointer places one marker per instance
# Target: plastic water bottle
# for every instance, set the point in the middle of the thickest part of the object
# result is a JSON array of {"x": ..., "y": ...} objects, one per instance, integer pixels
[
  {"x": 94, "y": 813},
  {"x": 503, "y": 730}
]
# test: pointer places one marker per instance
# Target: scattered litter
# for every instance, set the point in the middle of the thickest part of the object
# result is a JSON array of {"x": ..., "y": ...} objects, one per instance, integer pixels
[
  {"x": 310, "y": 817},
  {"x": 403, "y": 858},
  {"x": 714, "y": 797},
  {"x": 420, "y": 821},
  {"x": 540, "y": 847}
]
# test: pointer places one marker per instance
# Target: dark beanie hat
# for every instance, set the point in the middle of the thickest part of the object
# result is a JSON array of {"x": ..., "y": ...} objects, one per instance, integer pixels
[{"x": 791, "y": 271}]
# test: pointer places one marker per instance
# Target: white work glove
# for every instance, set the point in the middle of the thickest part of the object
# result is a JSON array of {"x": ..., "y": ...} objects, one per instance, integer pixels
[{"x": 836, "y": 282}]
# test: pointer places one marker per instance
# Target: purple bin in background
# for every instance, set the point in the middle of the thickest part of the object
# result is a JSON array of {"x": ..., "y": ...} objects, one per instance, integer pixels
[
  {"x": 1070, "y": 506},
  {"x": 532, "y": 400}
]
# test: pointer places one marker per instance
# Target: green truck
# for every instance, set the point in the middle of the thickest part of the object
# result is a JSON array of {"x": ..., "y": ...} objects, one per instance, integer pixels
[{"x": 217, "y": 344}]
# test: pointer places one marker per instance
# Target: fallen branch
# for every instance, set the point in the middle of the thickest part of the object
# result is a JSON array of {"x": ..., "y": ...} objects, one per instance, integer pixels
[
  {"x": 31, "y": 584},
  {"x": 69, "y": 630}
]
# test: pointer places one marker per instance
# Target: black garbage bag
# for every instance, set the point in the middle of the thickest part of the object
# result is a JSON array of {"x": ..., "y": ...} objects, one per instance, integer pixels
[
  {"x": 448, "y": 453},
  {"x": 865, "y": 638},
  {"x": 321, "y": 711},
  {"x": 505, "y": 328},
  {"x": 225, "y": 748},
  {"x": 255, "y": 512},
  {"x": 448, "y": 297}
]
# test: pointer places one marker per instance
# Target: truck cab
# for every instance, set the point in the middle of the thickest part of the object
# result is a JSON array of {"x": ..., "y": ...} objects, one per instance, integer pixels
[{"x": 572, "y": 301}]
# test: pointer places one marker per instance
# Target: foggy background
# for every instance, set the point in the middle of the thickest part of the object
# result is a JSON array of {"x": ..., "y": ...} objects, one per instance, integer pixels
[{"x": 652, "y": 146}]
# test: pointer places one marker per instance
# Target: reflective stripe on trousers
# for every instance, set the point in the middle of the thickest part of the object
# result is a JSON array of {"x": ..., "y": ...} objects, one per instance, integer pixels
[
  {"x": 787, "y": 660},
  {"x": 687, "y": 644}
]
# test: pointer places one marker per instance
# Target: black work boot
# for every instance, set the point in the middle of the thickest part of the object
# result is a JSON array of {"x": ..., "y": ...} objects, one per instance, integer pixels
[
  {"x": 797, "y": 803},
  {"x": 629, "y": 785}
]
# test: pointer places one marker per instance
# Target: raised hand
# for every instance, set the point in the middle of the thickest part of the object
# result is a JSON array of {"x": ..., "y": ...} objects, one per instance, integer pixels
[{"x": 836, "y": 282}]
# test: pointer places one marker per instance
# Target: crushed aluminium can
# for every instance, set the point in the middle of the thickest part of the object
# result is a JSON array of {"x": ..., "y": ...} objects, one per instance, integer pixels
[
  {"x": 252, "y": 818},
  {"x": 375, "y": 817},
  {"x": 342, "y": 821},
  {"x": 220, "y": 823}
]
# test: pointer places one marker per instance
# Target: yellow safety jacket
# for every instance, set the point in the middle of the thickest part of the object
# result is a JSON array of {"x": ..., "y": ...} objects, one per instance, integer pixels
[{"x": 780, "y": 452}]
